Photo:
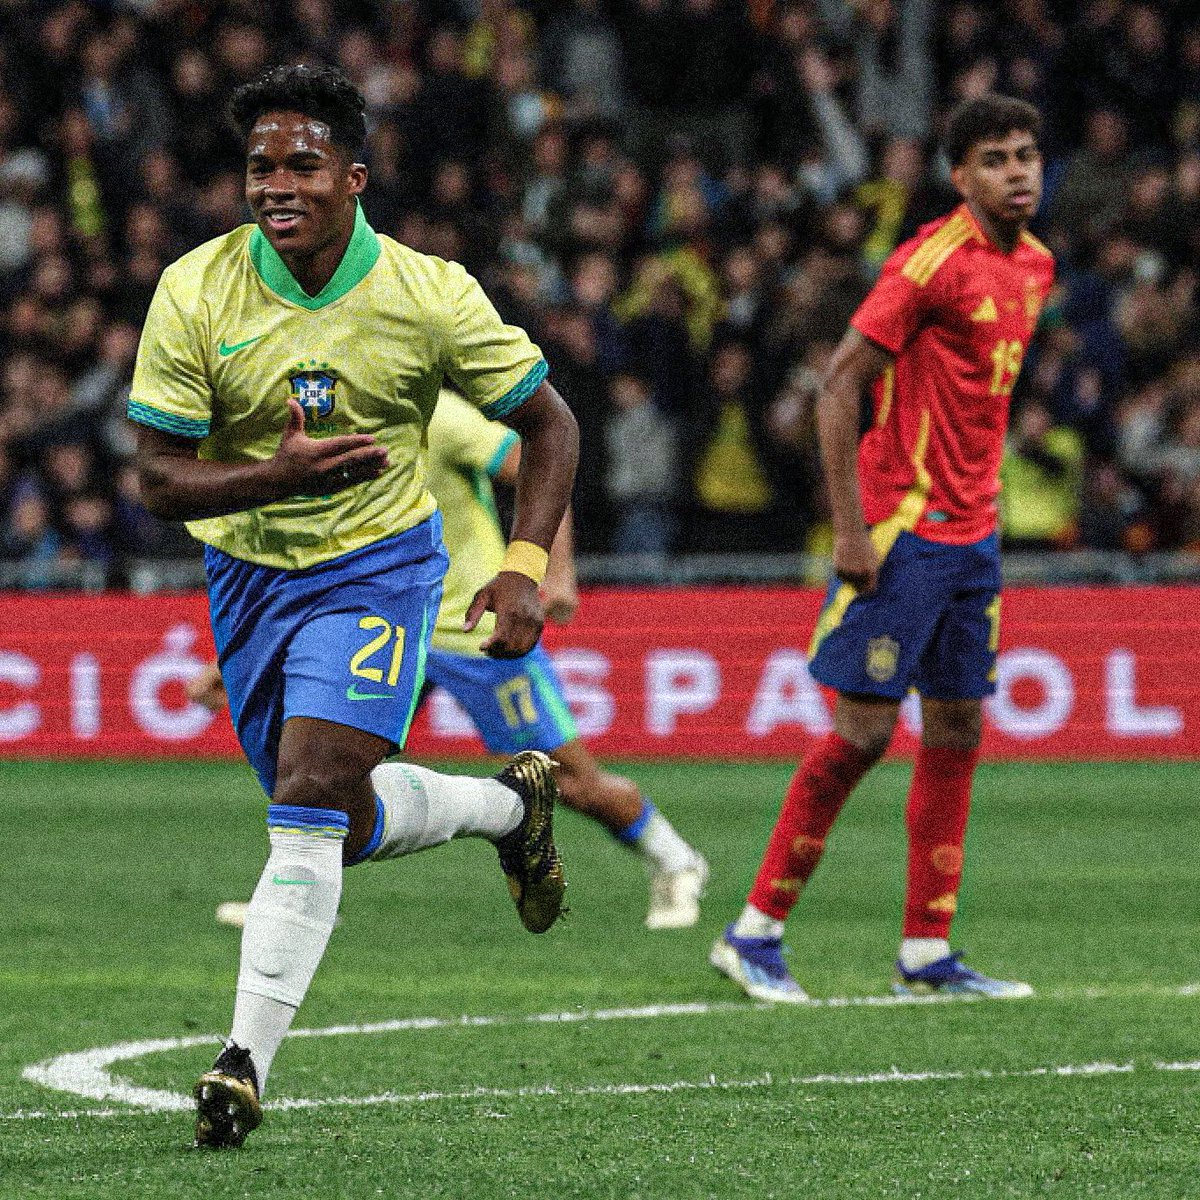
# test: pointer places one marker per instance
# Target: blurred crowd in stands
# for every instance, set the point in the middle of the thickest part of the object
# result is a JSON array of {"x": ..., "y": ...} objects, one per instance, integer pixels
[{"x": 683, "y": 201}]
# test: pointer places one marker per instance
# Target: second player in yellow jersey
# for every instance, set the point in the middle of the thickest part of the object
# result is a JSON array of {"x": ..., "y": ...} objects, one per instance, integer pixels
[{"x": 520, "y": 703}]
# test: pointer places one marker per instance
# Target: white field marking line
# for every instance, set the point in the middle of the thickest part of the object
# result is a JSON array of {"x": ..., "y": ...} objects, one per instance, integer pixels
[
  {"x": 712, "y": 1083},
  {"x": 85, "y": 1073}
]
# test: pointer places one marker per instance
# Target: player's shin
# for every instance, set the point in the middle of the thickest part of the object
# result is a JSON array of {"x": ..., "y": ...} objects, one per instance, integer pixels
[
  {"x": 678, "y": 873},
  {"x": 288, "y": 923},
  {"x": 814, "y": 798},
  {"x": 420, "y": 808},
  {"x": 654, "y": 838},
  {"x": 938, "y": 803}
]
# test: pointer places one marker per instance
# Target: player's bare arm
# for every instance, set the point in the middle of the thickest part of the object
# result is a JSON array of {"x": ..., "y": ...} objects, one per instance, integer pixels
[
  {"x": 549, "y": 454},
  {"x": 179, "y": 486},
  {"x": 560, "y": 588},
  {"x": 855, "y": 363}
]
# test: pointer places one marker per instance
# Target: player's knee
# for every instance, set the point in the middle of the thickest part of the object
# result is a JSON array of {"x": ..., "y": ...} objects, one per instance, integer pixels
[
  {"x": 866, "y": 723},
  {"x": 870, "y": 737},
  {"x": 579, "y": 788},
  {"x": 578, "y": 778},
  {"x": 964, "y": 739},
  {"x": 957, "y": 726},
  {"x": 317, "y": 785},
  {"x": 571, "y": 793},
  {"x": 872, "y": 744}
]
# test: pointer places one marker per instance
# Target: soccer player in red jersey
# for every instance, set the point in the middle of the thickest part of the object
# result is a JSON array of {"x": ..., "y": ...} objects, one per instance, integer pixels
[{"x": 915, "y": 602}]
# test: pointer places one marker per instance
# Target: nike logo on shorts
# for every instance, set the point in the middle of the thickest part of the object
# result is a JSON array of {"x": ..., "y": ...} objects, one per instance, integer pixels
[{"x": 352, "y": 693}]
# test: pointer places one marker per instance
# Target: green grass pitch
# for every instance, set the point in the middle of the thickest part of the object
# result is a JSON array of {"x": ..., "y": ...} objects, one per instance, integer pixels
[{"x": 1081, "y": 879}]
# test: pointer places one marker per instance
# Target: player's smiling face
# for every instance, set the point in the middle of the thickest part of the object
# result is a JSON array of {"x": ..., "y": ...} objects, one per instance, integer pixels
[
  {"x": 1001, "y": 178},
  {"x": 300, "y": 186}
]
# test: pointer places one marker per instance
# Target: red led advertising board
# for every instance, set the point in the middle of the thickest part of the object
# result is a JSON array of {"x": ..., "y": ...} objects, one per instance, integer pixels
[{"x": 1087, "y": 673}]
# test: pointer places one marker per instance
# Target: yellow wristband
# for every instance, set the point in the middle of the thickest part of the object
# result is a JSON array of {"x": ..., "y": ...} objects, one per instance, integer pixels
[{"x": 526, "y": 558}]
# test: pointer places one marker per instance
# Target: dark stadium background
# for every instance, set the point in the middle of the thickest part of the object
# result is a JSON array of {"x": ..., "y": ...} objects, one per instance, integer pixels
[{"x": 682, "y": 200}]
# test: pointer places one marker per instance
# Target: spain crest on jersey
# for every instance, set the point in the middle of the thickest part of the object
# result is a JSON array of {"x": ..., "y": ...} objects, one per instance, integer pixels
[
  {"x": 883, "y": 657},
  {"x": 314, "y": 385}
]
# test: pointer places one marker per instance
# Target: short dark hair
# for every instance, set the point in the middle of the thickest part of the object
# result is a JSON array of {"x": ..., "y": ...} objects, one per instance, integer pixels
[
  {"x": 990, "y": 116},
  {"x": 321, "y": 92}
]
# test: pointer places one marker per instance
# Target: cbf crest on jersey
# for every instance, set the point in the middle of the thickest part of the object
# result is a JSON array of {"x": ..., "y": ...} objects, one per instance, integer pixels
[{"x": 314, "y": 385}]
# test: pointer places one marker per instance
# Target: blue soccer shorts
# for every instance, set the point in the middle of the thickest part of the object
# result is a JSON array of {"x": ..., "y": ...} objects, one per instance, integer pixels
[
  {"x": 932, "y": 624},
  {"x": 344, "y": 641},
  {"x": 515, "y": 703}
]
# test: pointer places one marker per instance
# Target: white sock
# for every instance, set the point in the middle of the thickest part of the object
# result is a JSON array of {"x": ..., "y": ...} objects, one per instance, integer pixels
[
  {"x": 916, "y": 953},
  {"x": 754, "y": 923},
  {"x": 288, "y": 923},
  {"x": 654, "y": 838},
  {"x": 422, "y": 808},
  {"x": 259, "y": 1025}
]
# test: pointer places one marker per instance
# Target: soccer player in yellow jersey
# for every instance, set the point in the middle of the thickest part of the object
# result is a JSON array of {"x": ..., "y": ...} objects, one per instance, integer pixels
[
  {"x": 286, "y": 375},
  {"x": 518, "y": 703}
]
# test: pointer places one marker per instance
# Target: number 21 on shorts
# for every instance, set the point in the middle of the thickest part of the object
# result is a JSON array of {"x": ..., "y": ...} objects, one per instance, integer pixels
[{"x": 387, "y": 634}]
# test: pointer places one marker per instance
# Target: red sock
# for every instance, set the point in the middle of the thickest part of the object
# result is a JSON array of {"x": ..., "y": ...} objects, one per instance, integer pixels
[
  {"x": 938, "y": 802},
  {"x": 814, "y": 798}
]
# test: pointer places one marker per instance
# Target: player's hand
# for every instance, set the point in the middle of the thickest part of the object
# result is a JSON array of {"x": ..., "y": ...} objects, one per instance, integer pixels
[
  {"x": 560, "y": 599},
  {"x": 208, "y": 689},
  {"x": 309, "y": 466},
  {"x": 514, "y": 599},
  {"x": 856, "y": 561}
]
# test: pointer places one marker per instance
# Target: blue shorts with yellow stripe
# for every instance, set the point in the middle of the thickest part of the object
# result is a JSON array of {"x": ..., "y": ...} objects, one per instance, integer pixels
[
  {"x": 933, "y": 624},
  {"x": 344, "y": 641},
  {"x": 515, "y": 703}
]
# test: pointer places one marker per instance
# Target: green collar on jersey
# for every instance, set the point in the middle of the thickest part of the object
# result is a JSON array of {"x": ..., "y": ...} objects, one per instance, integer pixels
[{"x": 361, "y": 255}]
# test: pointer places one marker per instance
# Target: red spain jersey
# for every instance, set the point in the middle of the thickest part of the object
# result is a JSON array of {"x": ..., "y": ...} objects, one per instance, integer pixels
[{"x": 958, "y": 315}]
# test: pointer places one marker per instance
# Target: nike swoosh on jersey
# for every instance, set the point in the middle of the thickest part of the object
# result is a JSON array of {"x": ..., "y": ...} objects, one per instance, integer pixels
[
  {"x": 352, "y": 693},
  {"x": 225, "y": 351}
]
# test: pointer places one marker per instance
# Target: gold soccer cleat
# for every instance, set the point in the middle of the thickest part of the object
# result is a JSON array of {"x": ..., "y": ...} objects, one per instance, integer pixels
[
  {"x": 227, "y": 1106},
  {"x": 527, "y": 855}
]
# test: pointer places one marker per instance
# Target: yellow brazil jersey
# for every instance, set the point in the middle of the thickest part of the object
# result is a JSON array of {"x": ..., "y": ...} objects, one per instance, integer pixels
[
  {"x": 230, "y": 336},
  {"x": 465, "y": 451}
]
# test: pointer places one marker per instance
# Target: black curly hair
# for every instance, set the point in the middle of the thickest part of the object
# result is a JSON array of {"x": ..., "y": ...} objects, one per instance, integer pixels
[
  {"x": 320, "y": 92},
  {"x": 990, "y": 116}
]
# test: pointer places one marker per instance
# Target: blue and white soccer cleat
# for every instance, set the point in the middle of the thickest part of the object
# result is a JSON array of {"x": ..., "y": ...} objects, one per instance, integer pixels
[
  {"x": 756, "y": 965},
  {"x": 951, "y": 976}
]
